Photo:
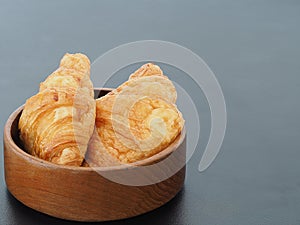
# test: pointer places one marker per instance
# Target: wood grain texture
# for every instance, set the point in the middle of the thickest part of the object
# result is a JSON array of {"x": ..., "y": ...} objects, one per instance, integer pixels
[{"x": 81, "y": 193}]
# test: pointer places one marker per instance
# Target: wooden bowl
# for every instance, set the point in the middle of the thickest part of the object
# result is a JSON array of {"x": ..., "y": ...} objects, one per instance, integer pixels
[{"x": 91, "y": 194}]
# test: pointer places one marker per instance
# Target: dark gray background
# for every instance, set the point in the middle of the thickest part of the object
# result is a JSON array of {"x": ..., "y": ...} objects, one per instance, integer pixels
[{"x": 253, "y": 48}]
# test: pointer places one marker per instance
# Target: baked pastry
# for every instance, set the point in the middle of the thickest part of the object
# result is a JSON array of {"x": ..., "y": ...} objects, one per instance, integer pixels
[
  {"x": 57, "y": 123},
  {"x": 136, "y": 120},
  {"x": 148, "y": 69}
]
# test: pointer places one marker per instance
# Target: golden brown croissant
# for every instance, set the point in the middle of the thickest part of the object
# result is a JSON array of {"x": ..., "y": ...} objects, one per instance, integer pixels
[
  {"x": 136, "y": 120},
  {"x": 57, "y": 123}
]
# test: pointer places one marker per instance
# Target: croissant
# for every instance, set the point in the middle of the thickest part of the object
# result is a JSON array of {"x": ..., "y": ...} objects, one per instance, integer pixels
[
  {"x": 57, "y": 123},
  {"x": 136, "y": 120}
]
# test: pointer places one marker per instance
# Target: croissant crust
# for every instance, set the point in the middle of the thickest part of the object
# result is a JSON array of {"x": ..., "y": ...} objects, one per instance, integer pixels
[
  {"x": 57, "y": 123},
  {"x": 136, "y": 120}
]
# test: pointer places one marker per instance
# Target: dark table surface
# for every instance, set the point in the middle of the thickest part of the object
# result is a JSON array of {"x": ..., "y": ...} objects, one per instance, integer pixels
[{"x": 253, "y": 48}]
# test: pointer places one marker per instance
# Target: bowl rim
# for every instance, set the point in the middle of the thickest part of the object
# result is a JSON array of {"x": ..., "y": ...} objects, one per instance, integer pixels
[{"x": 148, "y": 161}]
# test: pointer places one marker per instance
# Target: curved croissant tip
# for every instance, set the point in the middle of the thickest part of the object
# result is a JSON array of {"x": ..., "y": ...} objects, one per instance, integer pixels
[
  {"x": 78, "y": 56},
  {"x": 77, "y": 61},
  {"x": 148, "y": 69}
]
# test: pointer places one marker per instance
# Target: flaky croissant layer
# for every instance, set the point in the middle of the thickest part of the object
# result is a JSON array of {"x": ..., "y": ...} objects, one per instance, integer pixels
[
  {"x": 57, "y": 123},
  {"x": 136, "y": 120}
]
